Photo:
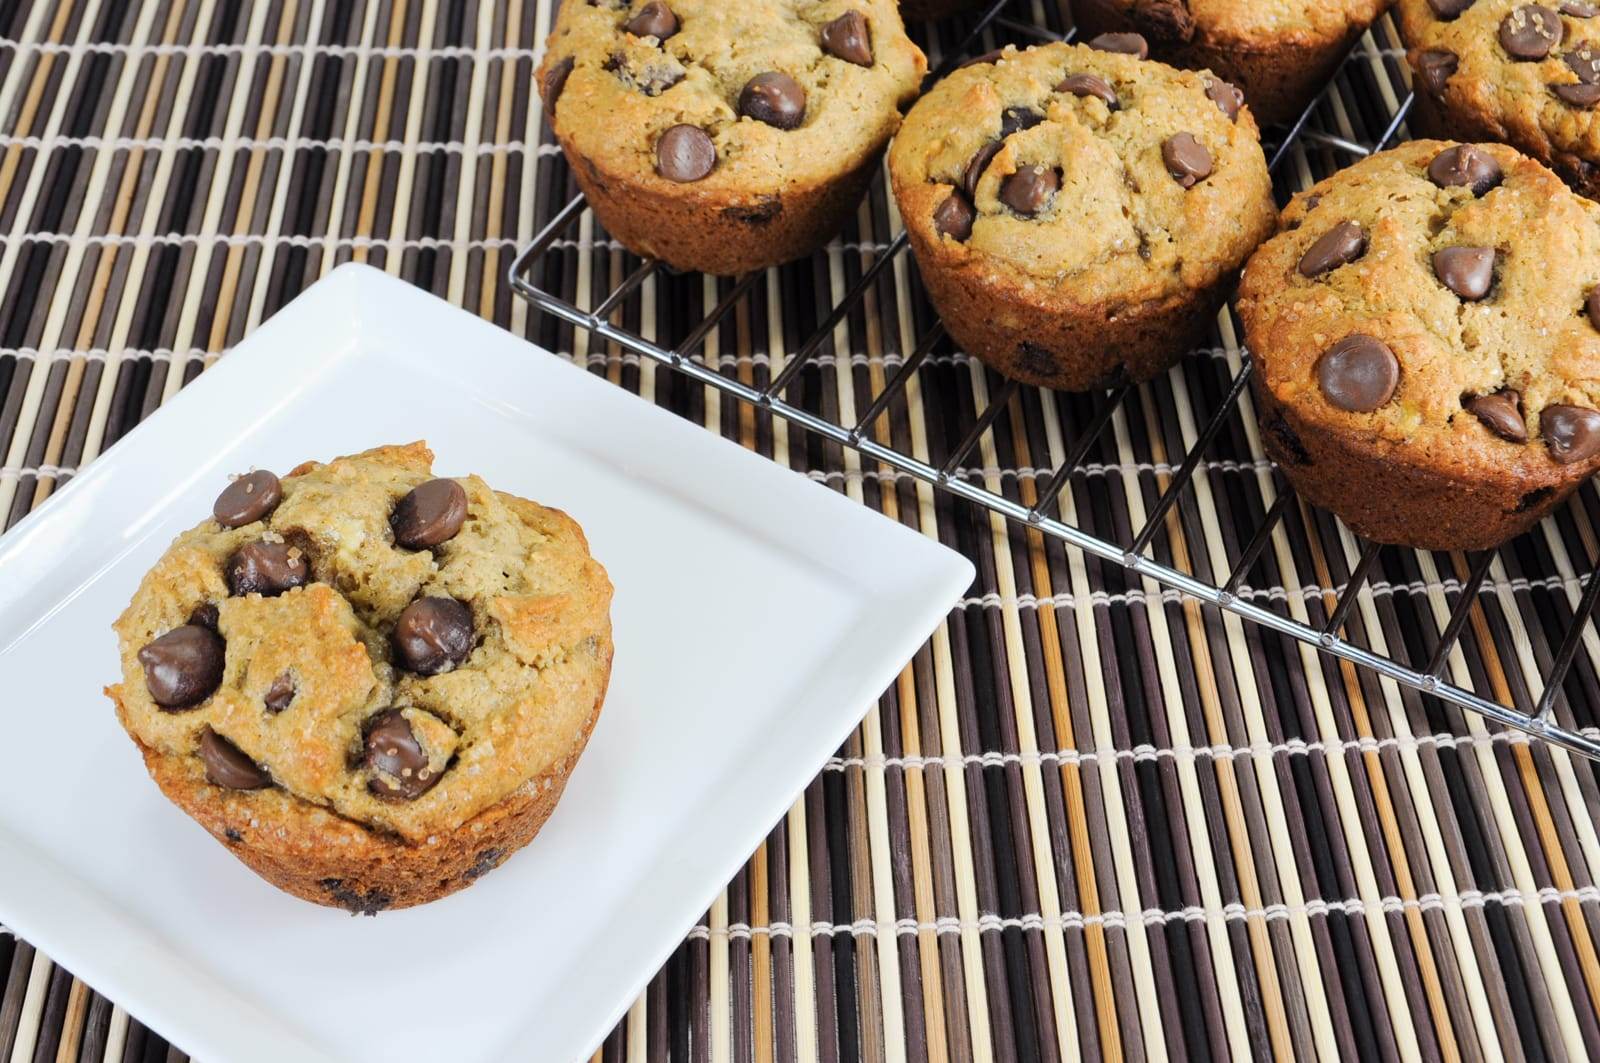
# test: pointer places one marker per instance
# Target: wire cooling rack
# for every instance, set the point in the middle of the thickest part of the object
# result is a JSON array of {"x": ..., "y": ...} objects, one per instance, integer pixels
[{"x": 1363, "y": 110}]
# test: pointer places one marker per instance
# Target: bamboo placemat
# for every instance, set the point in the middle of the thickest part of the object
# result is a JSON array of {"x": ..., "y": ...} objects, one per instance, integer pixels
[{"x": 1090, "y": 819}]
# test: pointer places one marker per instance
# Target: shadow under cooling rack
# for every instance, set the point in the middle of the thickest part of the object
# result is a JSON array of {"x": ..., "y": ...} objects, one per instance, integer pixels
[{"x": 850, "y": 362}]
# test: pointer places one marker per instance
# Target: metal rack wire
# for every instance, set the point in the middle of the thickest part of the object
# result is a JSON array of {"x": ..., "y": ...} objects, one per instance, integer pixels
[{"x": 1377, "y": 60}]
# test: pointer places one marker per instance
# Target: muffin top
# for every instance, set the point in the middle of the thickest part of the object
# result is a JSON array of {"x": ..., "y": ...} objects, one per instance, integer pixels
[
  {"x": 1250, "y": 22},
  {"x": 403, "y": 650},
  {"x": 1441, "y": 300},
  {"x": 1083, "y": 176},
  {"x": 728, "y": 98},
  {"x": 1532, "y": 69}
]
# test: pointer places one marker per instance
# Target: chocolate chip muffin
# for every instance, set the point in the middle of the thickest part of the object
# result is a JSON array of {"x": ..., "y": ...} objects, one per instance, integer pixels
[
  {"x": 726, "y": 137},
  {"x": 1526, "y": 74},
  {"x": 1426, "y": 338},
  {"x": 1078, "y": 215},
  {"x": 1280, "y": 53},
  {"x": 370, "y": 684}
]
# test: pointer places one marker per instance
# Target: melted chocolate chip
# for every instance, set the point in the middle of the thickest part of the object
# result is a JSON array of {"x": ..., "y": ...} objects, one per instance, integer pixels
[
  {"x": 1225, "y": 96},
  {"x": 1123, "y": 43},
  {"x": 1187, "y": 159},
  {"x": 1579, "y": 95},
  {"x": 685, "y": 153},
  {"x": 654, "y": 19},
  {"x": 280, "y": 695},
  {"x": 954, "y": 217},
  {"x": 247, "y": 499},
  {"x": 1501, "y": 413},
  {"x": 555, "y": 79},
  {"x": 1449, "y": 9},
  {"x": 1467, "y": 271},
  {"x": 1089, "y": 85},
  {"x": 774, "y": 98},
  {"x": 1030, "y": 189},
  {"x": 205, "y": 615},
  {"x": 1529, "y": 32},
  {"x": 183, "y": 667},
  {"x": 227, "y": 766},
  {"x": 397, "y": 760},
  {"x": 1339, "y": 246},
  {"x": 1359, "y": 373},
  {"x": 1578, "y": 9},
  {"x": 1437, "y": 66},
  {"x": 976, "y": 165},
  {"x": 1016, "y": 119},
  {"x": 1465, "y": 165},
  {"x": 848, "y": 37},
  {"x": 1571, "y": 433},
  {"x": 432, "y": 513},
  {"x": 433, "y": 635},
  {"x": 1591, "y": 306},
  {"x": 267, "y": 569},
  {"x": 1584, "y": 62}
]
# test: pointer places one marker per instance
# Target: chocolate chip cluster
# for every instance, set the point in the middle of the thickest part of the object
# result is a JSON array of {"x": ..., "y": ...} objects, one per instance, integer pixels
[
  {"x": 1030, "y": 191},
  {"x": 686, "y": 153},
  {"x": 184, "y": 667},
  {"x": 1361, "y": 373},
  {"x": 1529, "y": 33}
]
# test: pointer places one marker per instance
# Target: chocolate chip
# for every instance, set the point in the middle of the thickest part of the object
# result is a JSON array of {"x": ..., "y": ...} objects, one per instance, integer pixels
[
  {"x": 1529, "y": 32},
  {"x": 1579, "y": 95},
  {"x": 555, "y": 79},
  {"x": 183, "y": 667},
  {"x": 1501, "y": 413},
  {"x": 1577, "y": 9},
  {"x": 1226, "y": 96},
  {"x": 1571, "y": 433},
  {"x": 847, "y": 37},
  {"x": 954, "y": 217},
  {"x": 433, "y": 635},
  {"x": 1467, "y": 271},
  {"x": 1089, "y": 85},
  {"x": 280, "y": 694},
  {"x": 226, "y": 766},
  {"x": 1016, "y": 119},
  {"x": 1029, "y": 190},
  {"x": 1187, "y": 159},
  {"x": 397, "y": 760},
  {"x": 1449, "y": 9},
  {"x": 1437, "y": 66},
  {"x": 1122, "y": 43},
  {"x": 1340, "y": 245},
  {"x": 248, "y": 499},
  {"x": 774, "y": 98},
  {"x": 205, "y": 615},
  {"x": 1465, "y": 165},
  {"x": 1592, "y": 307},
  {"x": 976, "y": 165},
  {"x": 654, "y": 19},
  {"x": 1359, "y": 373},
  {"x": 267, "y": 569},
  {"x": 685, "y": 153},
  {"x": 432, "y": 513}
]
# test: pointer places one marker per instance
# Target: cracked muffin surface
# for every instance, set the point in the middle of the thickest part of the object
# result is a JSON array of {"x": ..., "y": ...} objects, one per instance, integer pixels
[
  {"x": 1064, "y": 192},
  {"x": 1426, "y": 338},
  {"x": 1527, "y": 74},
  {"x": 1280, "y": 52},
  {"x": 364, "y": 650},
  {"x": 725, "y": 136}
]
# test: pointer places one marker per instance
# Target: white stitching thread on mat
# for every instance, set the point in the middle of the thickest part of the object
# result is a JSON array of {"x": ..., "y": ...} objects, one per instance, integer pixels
[
  {"x": 988, "y": 923},
  {"x": 1221, "y": 751}
]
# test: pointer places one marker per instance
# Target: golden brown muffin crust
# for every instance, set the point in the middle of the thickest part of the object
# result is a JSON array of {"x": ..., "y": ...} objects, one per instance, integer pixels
[
  {"x": 518, "y": 705},
  {"x": 1121, "y": 230}
]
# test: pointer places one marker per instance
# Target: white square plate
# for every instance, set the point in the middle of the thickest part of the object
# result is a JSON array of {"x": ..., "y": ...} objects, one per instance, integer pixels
[{"x": 757, "y": 616}]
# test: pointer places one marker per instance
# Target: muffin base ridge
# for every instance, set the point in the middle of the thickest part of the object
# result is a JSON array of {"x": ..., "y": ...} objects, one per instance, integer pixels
[
  {"x": 318, "y": 855},
  {"x": 1396, "y": 502}
]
